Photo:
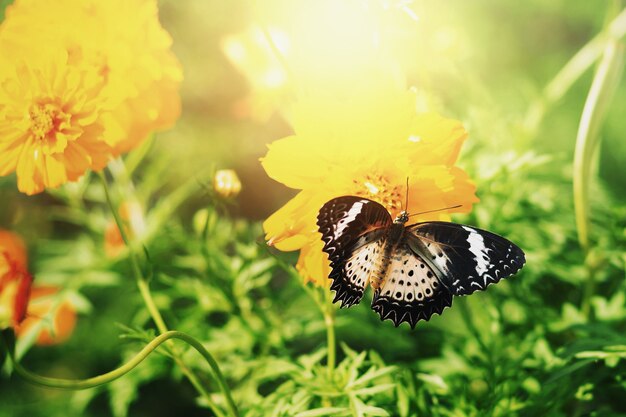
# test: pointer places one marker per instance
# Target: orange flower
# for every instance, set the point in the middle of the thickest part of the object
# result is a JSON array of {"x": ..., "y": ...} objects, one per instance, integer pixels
[
  {"x": 15, "y": 281},
  {"x": 44, "y": 304},
  {"x": 366, "y": 145},
  {"x": 27, "y": 309}
]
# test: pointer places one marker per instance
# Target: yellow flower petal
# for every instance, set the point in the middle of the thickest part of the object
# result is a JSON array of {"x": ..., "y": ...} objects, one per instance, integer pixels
[
  {"x": 295, "y": 162},
  {"x": 443, "y": 138},
  {"x": 73, "y": 72},
  {"x": 369, "y": 150},
  {"x": 44, "y": 145},
  {"x": 291, "y": 226},
  {"x": 313, "y": 263}
]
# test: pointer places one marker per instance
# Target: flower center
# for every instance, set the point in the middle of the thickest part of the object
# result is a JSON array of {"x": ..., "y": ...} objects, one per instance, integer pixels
[
  {"x": 378, "y": 188},
  {"x": 45, "y": 119}
]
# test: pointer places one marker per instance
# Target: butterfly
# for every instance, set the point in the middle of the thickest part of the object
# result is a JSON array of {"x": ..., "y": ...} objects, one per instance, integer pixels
[{"x": 414, "y": 270}]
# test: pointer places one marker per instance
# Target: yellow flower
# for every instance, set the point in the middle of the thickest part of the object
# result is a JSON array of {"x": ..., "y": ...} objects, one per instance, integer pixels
[
  {"x": 124, "y": 43},
  {"x": 367, "y": 146},
  {"x": 50, "y": 124}
]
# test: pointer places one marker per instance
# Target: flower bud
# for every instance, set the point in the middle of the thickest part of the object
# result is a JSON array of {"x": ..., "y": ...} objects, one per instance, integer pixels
[{"x": 226, "y": 183}]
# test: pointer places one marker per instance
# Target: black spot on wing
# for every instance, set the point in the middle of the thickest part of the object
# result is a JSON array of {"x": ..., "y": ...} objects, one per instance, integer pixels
[
  {"x": 351, "y": 275},
  {"x": 398, "y": 311},
  {"x": 468, "y": 259},
  {"x": 349, "y": 224},
  {"x": 411, "y": 292}
]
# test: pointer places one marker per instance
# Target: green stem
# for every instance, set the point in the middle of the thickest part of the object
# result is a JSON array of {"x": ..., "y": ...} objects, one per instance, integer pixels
[
  {"x": 326, "y": 306},
  {"x": 466, "y": 315},
  {"x": 80, "y": 384},
  {"x": 353, "y": 407},
  {"x": 574, "y": 69},
  {"x": 489, "y": 351},
  {"x": 329, "y": 321},
  {"x": 596, "y": 106},
  {"x": 144, "y": 289}
]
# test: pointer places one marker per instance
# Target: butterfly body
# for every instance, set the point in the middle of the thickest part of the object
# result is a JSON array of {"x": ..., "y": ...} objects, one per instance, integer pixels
[
  {"x": 414, "y": 270},
  {"x": 393, "y": 237}
]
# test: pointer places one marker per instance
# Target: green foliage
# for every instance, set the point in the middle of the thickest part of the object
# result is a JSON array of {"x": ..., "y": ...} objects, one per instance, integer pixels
[{"x": 3, "y": 5}]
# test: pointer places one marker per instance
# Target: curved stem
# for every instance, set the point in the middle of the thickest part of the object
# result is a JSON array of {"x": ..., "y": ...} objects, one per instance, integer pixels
[
  {"x": 80, "y": 384},
  {"x": 144, "y": 289}
]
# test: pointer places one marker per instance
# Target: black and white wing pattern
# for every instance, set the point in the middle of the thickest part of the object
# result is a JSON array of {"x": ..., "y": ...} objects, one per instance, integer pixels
[
  {"x": 411, "y": 290},
  {"x": 353, "y": 231},
  {"x": 467, "y": 259},
  {"x": 414, "y": 270}
]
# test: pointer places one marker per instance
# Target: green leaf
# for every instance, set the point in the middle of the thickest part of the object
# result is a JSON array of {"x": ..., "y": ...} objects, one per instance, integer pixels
[
  {"x": 8, "y": 339},
  {"x": 80, "y": 303},
  {"x": 403, "y": 400},
  {"x": 362, "y": 409},
  {"x": 309, "y": 361},
  {"x": 3, "y": 5},
  {"x": 435, "y": 381},
  {"x": 3, "y": 352},
  {"x": 611, "y": 355},
  {"x": 124, "y": 391},
  {"x": 350, "y": 353},
  {"x": 370, "y": 375},
  {"x": 353, "y": 370},
  {"x": 374, "y": 411},
  {"x": 373, "y": 390},
  {"x": 570, "y": 369},
  {"x": 326, "y": 411},
  {"x": 600, "y": 95}
]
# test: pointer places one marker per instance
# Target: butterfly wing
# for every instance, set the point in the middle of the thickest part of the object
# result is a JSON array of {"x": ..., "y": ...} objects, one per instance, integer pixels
[
  {"x": 411, "y": 290},
  {"x": 467, "y": 259},
  {"x": 353, "y": 231}
]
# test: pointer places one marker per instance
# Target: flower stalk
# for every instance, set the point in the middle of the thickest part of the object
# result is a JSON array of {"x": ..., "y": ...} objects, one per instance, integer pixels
[
  {"x": 329, "y": 321},
  {"x": 574, "y": 69},
  {"x": 80, "y": 384},
  {"x": 323, "y": 298},
  {"x": 596, "y": 106},
  {"x": 155, "y": 314}
]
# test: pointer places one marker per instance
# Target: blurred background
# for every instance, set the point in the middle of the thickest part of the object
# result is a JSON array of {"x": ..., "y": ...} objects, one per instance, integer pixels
[
  {"x": 495, "y": 66},
  {"x": 485, "y": 63}
]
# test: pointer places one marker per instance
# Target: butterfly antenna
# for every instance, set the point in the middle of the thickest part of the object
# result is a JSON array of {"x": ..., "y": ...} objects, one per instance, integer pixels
[
  {"x": 406, "y": 204},
  {"x": 432, "y": 211}
]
